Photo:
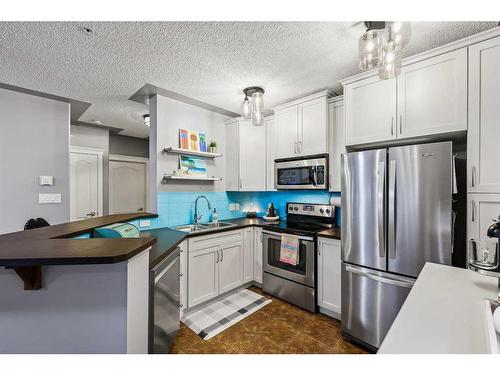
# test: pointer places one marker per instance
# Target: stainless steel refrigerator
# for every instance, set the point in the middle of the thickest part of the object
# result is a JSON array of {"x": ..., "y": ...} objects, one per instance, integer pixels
[{"x": 396, "y": 215}]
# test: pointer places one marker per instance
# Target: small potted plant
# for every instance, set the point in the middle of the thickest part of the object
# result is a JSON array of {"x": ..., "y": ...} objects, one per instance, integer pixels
[{"x": 213, "y": 147}]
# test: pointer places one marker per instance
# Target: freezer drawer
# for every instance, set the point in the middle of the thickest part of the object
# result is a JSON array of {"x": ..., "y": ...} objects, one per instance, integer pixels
[{"x": 370, "y": 302}]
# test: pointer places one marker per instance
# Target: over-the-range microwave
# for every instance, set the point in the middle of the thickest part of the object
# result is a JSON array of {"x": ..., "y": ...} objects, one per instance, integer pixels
[{"x": 304, "y": 172}]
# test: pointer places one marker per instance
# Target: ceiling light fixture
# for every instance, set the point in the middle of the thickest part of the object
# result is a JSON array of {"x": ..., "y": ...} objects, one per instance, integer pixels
[
  {"x": 381, "y": 45},
  {"x": 146, "y": 119},
  {"x": 255, "y": 109},
  {"x": 98, "y": 122}
]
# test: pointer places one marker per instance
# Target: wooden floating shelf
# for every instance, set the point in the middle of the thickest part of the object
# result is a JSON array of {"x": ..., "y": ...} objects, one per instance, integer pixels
[
  {"x": 175, "y": 150},
  {"x": 191, "y": 178}
]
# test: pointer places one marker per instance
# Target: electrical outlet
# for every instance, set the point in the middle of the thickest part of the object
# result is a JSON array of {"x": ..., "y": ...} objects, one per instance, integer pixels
[
  {"x": 144, "y": 223},
  {"x": 234, "y": 206}
]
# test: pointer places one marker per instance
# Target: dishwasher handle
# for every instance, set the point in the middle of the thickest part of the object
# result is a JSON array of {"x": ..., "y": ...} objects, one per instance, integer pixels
[{"x": 162, "y": 268}]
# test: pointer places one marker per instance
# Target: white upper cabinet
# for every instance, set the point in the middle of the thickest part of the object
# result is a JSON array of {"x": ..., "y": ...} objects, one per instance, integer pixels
[
  {"x": 271, "y": 151},
  {"x": 312, "y": 137},
  {"x": 231, "y": 157},
  {"x": 302, "y": 126},
  {"x": 432, "y": 95},
  {"x": 370, "y": 110},
  {"x": 483, "y": 141},
  {"x": 337, "y": 140},
  {"x": 286, "y": 122},
  {"x": 429, "y": 97},
  {"x": 245, "y": 156}
]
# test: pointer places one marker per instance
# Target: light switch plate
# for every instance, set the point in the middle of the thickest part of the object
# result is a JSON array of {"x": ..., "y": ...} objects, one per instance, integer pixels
[
  {"x": 49, "y": 198},
  {"x": 46, "y": 180},
  {"x": 234, "y": 206},
  {"x": 144, "y": 223}
]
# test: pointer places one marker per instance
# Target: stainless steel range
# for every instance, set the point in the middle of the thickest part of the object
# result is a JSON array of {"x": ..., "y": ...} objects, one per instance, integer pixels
[{"x": 295, "y": 283}]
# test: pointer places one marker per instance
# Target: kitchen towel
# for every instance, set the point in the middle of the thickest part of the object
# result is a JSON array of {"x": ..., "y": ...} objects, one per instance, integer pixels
[{"x": 289, "y": 251}]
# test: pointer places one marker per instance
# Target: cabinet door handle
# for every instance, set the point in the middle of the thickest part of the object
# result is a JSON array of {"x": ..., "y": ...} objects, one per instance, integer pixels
[
  {"x": 181, "y": 274},
  {"x": 222, "y": 255},
  {"x": 473, "y": 211},
  {"x": 241, "y": 184},
  {"x": 392, "y": 125},
  {"x": 301, "y": 148},
  {"x": 400, "y": 124},
  {"x": 218, "y": 255},
  {"x": 295, "y": 147},
  {"x": 181, "y": 305},
  {"x": 473, "y": 177}
]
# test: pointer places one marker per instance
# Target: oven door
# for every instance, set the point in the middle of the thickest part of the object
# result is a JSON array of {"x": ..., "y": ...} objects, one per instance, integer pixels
[
  {"x": 301, "y": 174},
  {"x": 302, "y": 273}
]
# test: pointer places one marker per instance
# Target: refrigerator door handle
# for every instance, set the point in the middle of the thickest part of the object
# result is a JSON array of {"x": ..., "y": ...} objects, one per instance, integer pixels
[
  {"x": 381, "y": 208},
  {"x": 392, "y": 209},
  {"x": 392, "y": 280}
]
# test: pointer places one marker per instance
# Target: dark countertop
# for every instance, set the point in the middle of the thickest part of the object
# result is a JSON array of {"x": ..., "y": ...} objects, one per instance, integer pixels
[
  {"x": 168, "y": 239},
  {"x": 54, "y": 245},
  {"x": 331, "y": 233}
]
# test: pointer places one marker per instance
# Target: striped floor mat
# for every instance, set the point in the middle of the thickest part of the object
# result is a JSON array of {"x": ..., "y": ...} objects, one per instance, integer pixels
[{"x": 220, "y": 315}]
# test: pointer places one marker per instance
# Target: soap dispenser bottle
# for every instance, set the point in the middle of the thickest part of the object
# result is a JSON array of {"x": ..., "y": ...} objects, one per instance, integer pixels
[{"x": 215, "y": 216}]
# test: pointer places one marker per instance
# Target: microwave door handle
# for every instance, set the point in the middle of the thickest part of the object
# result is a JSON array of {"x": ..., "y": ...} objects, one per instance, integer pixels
[{"x": 315, "y": 180}]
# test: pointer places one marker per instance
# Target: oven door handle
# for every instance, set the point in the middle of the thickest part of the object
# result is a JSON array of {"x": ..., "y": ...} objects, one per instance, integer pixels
[{"x": 277, "y": 236}]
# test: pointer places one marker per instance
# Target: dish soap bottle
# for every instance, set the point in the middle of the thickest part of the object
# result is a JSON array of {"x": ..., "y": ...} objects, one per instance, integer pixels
[{"x": 215, "y": 216}]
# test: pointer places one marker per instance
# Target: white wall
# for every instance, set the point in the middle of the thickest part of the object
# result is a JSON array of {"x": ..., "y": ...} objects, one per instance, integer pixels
[
  {"x": 167, "y": 117},
  {"x": 34, "y": 141},
  {"x": 94, "y": 137}
]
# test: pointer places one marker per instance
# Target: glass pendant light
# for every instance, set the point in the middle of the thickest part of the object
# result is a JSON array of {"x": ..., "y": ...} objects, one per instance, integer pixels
[
  {"x": 398, "y": 33},
  {"x": 255, "y": 108},
  {"x": 258, "y": 117},
  {"x": 246, "y": 108},
  {"x": 391, "y": 62},
  {"x": 369, "y": 49}
]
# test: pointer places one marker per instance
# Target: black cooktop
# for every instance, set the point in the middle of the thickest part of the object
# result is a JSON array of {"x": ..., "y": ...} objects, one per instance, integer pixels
[{"x": 298, "y": 228}]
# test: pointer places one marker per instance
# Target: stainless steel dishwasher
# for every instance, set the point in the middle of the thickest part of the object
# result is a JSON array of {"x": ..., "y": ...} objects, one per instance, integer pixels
[{"x": 164, "y": 311}]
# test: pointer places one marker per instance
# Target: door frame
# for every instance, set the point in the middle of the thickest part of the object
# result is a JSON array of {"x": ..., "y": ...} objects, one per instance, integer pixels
[
  {"x": 100, "y": 174},
  {"x": 134, "y": 159}
]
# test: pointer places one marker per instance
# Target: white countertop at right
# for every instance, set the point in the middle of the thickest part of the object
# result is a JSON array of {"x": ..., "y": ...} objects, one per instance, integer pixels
[{"x": 444, "y": 313}]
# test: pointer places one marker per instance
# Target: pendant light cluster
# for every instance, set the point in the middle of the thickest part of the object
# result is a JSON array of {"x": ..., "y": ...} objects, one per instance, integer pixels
[
  {"x": 253, "y": 109},
  {"x": 381, "y": 47}
]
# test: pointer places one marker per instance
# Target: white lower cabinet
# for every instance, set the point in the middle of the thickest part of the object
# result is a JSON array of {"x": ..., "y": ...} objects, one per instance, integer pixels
[
  {"x": 203, "y": 280},
  {"x": 258, "y": 255},
  {"x": 230, "y": 266},
  {"x": 248, "y": 258},
  {"x": 216, "y": 265},
  {"x": 329, "y": 265},
  {"x": 481, "y": 211}
]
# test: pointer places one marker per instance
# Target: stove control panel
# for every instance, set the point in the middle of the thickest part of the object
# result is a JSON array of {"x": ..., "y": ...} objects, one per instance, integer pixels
[{"x": 311, "y": 209}]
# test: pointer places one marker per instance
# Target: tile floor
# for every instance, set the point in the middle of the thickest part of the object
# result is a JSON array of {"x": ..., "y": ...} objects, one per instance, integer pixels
[{"x": 278, "y": 328}]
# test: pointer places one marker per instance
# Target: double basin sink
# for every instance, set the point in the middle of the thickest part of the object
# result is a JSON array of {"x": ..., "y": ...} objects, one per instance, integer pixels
[{"x": 191, "y": 228}]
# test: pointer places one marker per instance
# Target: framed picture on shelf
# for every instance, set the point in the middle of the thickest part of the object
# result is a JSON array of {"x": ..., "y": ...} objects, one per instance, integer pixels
[
  {"x": 193, "y": 141},
  {"x": 202, "y": 141},
  {"x": 193, "y": 165},
  {"x": 184, "y": 139}
]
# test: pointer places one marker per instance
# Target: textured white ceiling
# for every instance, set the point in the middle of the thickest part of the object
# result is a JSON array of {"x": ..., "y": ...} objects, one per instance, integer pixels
[{"x": 209, "y": 61}]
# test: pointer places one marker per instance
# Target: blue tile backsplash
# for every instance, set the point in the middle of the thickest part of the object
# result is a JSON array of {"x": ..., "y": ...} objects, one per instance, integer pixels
[{"x": 177, "y": 208}]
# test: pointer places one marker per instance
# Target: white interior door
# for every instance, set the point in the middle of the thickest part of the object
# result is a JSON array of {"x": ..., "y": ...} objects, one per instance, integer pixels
[
  {"x": 84, "y": 186},
  {"x": 127, "y": 187}
]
